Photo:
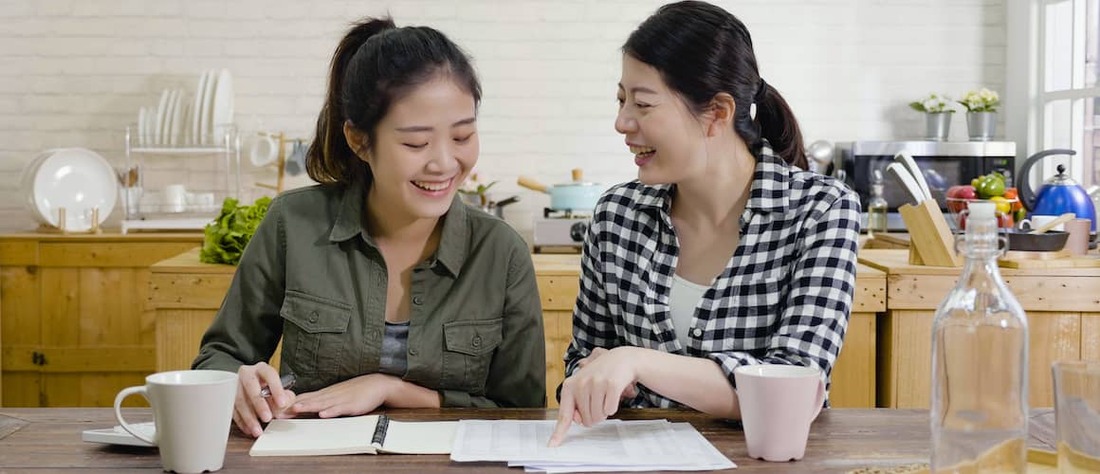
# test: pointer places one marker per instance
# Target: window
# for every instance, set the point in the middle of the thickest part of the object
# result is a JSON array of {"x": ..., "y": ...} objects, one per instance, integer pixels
[{"x": 1068, "y": 97}]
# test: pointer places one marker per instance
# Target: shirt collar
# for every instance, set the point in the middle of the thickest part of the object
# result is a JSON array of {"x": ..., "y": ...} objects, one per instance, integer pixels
[
  {"x": 453, "y": 243},
  {"x": 769, "y": 191}
]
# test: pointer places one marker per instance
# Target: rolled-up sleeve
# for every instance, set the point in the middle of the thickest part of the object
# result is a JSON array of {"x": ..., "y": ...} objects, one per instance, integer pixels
[
  {"x": 247, "y": 327},
  {"x": 592, "y": 325}
]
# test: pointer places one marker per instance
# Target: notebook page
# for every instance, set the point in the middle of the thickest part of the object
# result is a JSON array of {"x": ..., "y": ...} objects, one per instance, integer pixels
[
  {"x": 420, "y": 437},
  {"x": 316, "y": 437}
]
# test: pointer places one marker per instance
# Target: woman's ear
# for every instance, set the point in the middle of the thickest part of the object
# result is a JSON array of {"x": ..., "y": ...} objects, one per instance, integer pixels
[
  {"x": 357, "y": 141},
  {"x": 720, "y": 113}
]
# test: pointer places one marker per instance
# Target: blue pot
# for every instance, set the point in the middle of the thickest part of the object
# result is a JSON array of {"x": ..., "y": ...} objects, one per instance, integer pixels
[{"x": 580, "y": 196}]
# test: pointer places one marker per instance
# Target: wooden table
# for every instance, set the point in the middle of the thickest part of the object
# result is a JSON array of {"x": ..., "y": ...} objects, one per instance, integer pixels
[
  {"x": 1063, "y": 312},
  {"x": 840, "y": 440}
]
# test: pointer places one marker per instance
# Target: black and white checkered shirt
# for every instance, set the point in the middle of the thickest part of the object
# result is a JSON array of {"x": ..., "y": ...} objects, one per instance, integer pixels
[{"x": 783, "y": 298}]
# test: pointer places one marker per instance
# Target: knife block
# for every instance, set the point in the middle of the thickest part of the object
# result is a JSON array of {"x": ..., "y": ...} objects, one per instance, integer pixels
[{"x": 930, "y": 240}]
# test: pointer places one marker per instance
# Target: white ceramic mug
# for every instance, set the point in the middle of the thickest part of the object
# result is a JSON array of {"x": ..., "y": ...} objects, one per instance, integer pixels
[
  {"x": 175, "y": 198},
  {"x": 1037, "y": 221},
  {"x": 263, "y": 150},
  {"x": 778, "y": 403},
  {"x": 192, "y": 413}
]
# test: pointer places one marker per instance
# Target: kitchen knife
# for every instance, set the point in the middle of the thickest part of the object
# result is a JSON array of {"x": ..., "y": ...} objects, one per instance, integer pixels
[
  {"x": 918, "y": 176},
  {"x": 898, "y": 171}
]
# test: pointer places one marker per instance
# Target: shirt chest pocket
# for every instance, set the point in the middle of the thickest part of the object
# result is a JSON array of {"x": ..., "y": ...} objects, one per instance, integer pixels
[
  {"x": 314, "y": 335},
  {"x": 468, "y": 352}
]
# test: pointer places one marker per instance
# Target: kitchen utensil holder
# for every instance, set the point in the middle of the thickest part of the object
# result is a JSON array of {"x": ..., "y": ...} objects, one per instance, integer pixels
[
  {"x": 61, "y": 229},
  {"x": 931, "y": 242}
]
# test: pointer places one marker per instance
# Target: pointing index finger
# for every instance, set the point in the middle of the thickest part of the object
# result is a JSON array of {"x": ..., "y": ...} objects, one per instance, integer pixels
[{"x": 565, "y": 419}]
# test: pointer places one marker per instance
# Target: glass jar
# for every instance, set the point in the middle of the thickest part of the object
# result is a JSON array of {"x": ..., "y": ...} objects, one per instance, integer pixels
[{"x": 979, "y": 361}]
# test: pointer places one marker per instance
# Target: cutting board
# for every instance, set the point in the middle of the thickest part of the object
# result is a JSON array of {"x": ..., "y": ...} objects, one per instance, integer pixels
[{"x": 1059, "y": 259}]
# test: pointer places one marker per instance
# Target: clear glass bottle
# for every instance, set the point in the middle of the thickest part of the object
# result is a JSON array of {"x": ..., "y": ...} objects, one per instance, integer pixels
[
  {"x": 979, "y": 361},
  {"x": 876, "y": 207}
]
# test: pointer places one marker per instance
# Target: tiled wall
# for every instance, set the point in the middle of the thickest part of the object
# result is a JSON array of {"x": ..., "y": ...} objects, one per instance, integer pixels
[{"x": 75, "y": 72}]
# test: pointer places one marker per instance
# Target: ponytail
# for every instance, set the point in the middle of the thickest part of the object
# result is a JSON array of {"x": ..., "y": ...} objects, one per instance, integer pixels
[
  {"x": 779, "y": 126},
  {"x": 330, "y": 159}
]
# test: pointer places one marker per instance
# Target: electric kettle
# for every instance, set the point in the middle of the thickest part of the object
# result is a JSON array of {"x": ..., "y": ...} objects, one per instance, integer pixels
[{"x": 1058, "y": 195}]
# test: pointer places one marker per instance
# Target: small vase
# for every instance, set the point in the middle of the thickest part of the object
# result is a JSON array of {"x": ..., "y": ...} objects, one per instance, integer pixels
[
  {"x": 981, "y": 125},
  {"x": 938, "y": 125}
]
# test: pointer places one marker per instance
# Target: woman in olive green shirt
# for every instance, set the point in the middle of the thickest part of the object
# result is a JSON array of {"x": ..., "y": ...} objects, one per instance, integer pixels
[{"x": 385, "y": 289}]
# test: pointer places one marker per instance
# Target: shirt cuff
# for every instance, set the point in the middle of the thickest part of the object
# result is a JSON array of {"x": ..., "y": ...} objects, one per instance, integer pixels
[{"x": 455, "y": 398}]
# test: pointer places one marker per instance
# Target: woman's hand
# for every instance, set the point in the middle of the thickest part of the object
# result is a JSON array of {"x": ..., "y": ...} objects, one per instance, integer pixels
[
  {"x": 355, "y": 396},
  {"x": 593, "y": 392},
  {"x": 250, "y": 407},
  {"x": 630, "y": 392}
]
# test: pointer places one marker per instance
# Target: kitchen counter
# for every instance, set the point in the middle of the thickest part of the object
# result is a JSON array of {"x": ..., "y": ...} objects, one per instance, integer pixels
[
  {"x": 1062, "y": 305},
  {"x": 74, "y": 324},
  {"x": 185, "y": 294}
]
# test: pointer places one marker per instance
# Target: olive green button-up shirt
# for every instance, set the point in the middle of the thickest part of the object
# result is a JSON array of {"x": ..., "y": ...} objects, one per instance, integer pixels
[{"x": 312, "y": 276}]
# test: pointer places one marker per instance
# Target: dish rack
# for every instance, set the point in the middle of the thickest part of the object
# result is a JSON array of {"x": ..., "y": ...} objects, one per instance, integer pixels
[{"x": 162, "y": 187}]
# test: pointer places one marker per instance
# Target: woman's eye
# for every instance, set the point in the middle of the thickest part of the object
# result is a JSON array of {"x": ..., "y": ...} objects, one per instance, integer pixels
[
  {"x": 416, "y": 146},
  {"x": 641, "y": 105},
  {"x": 463, "y": 139},
  {"x": 620, "y": 100}
]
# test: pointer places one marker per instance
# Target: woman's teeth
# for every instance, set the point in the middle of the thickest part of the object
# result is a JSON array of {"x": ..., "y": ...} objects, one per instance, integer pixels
[
  {"x": 642, "y": 150},
  {"x": 432, "y": 185}
]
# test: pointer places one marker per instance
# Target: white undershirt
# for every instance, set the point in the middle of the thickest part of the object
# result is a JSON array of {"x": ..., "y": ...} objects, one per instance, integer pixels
[{"x": 682, "y": 300}]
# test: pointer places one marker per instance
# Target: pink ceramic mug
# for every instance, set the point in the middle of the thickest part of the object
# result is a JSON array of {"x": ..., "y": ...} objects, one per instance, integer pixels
[
  {"x": 778, "y": 402},
  {"x": 1078, "y": 241}
]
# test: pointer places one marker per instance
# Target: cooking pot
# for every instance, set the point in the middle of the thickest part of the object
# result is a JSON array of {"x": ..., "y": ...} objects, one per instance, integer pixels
[
  {"x": 578, "y": 195},
  {"x": 1058, "y": 195},
  {"x": 1049, "y": 241}
]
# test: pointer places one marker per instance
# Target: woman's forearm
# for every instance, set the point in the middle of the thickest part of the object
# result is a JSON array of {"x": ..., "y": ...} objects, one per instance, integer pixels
[
  {"x": 404, "y": 394},
  {"x": 693, "y": 381}
]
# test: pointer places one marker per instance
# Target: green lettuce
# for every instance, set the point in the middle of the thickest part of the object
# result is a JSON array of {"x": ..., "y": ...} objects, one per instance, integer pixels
[{"x": 228, "y": 235}]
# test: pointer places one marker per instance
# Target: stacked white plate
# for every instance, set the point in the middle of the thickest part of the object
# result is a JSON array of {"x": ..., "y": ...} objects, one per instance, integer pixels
[
  {"x": 179, "y": 120},
  {"x": 76, "y": 179}
]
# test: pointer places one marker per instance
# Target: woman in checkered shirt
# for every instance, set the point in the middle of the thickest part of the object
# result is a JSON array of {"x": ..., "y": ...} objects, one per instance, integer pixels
[{"x": 724, "y": 252}]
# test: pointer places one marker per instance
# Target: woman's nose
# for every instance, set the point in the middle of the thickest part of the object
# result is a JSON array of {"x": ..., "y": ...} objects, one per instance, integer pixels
[
  {"x": 624, "y": 123},
  {"x": 443, "y": 158}
]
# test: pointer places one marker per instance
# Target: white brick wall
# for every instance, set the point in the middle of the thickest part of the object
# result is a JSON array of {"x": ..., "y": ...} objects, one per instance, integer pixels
[{"x": 75, "y": 72}]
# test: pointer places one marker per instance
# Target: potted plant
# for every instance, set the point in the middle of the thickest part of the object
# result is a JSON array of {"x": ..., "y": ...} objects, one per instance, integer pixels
[
  {"x": 981, "y": 113},
  {"x": 937, "y": 112},
  {"x": 475, "y": 191}
]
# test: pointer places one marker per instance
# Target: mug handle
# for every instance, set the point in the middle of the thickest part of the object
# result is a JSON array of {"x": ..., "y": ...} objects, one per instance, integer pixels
[
  {"x": 819, "y": 400},
  {"x": 118, "y": 413}
]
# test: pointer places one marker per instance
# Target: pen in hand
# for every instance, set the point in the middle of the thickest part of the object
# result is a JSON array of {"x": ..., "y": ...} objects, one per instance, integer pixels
[{"x": 287, "y": 382}]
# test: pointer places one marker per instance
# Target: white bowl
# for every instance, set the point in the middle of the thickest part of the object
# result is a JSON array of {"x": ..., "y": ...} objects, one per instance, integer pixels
[{"x": 76, "y": 179}]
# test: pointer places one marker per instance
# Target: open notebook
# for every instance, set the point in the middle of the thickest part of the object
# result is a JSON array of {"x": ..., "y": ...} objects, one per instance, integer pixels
[{"x": 368, "y": 434}]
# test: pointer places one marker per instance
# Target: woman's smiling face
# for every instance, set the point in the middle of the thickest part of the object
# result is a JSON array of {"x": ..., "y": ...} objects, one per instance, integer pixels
[
  {"x": 663, "y": 134},
  {"x": 425, "y": 147}
]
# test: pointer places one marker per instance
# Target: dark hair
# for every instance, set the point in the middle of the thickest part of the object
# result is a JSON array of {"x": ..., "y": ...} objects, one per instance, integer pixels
[
  {"x": 702, "y": 50},
  {"x": 374, "y": 65}
]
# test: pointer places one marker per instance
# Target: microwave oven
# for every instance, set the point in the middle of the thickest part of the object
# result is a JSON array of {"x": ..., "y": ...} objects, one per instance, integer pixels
[{"x": 943, "y": 164}]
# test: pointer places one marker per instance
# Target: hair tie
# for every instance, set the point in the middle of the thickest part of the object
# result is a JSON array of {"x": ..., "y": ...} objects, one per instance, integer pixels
[{"x": 761, "y": 91}]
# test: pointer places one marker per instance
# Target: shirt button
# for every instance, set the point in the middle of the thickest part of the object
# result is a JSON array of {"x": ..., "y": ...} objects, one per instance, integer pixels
[
  {"x": 418, "y": 300},
  {"x": 412, "y": 351},
  {"x": 476, "y": 342},
  {"x": 697, "y": 332},
  {"x": 313, "y": 317}
]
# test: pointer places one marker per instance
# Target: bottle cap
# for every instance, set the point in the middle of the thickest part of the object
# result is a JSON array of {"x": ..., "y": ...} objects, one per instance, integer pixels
[{"x": 982, "y": 210}]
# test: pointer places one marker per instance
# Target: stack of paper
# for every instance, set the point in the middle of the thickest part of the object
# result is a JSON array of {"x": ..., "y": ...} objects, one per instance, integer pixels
[{"x": 613, "y": 445}]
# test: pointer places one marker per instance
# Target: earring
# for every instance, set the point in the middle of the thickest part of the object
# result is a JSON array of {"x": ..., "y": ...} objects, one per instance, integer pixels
[{"x": 752, "y": 110}]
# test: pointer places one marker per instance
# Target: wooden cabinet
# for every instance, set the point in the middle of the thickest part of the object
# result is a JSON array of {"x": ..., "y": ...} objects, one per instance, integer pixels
[
  {"x": 1063, "y": 313},
  {"x": 186, "y": 294},
  {"x": 74, "y": 323}
]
